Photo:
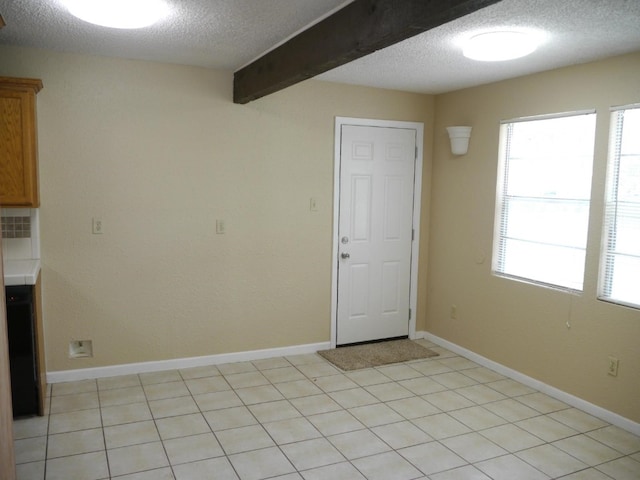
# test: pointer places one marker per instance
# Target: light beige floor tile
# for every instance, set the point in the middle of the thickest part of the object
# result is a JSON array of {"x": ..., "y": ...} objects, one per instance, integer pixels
[
  {"x": 551, "y": 460},
  {"x": 215, "y": 469},
  {"x": 291, "y": 430},
  {"x": 481, "y": 394},
  {"x": 158, "y": 391},
  {"x": 171, "y": 407},
  {"x": 334, "y": 383},
  {"x": 314, "y": 370},
  {"x": 69, "y": 388},
  {"x": 193, "y": 448},
  {"x": 137, "y": 458},
  {"x": 422, "y": 385},
  {"x": 264, "y": 393},
  {"x": 386, "y": 392},
  {"x": 88, "y": 466},
  {"x": 305, "y": 359},
  {"x": 477, "y": 418},
  {"x": 511, "y": 438},
  {"x": 157, "y": 474},
  {"x": 298, "y": 388},
  {"x": 399, "y": 372},
  {"x": 458, "y": 363},
  {"x": 312, "y": 454},
  {"x": 259, "y": 464},
  {"x": 587, "y": 450},
  {"x": 511, "y": 410},
  {"x": 274, "y": 411},
  {"x": 617, "y": 438},
  {"x": 30, "y": 449},
  {"x": 131, "y": 434},
  {"x": 332, "y": 423},
  {"x": 432, "y": 458},
  {"x": 473, "y": 447},
  {"x": 244, "y": 439},
  {"x": 271, "y": 363},
  {"x": 68, "y": 422},
  {"x": 202, "y": 385},
  {"x": 160, "y": 377},
  {"x": 441, "y": 426},
  {"x": 30, "y": 471},
  {"x": 366, "y": 377},
  {"x": 430, "y": 367},
  {"x": 199, "y": 372},
  {"x": 74, "y": 402},
  {"x": 510, "y": 388},
  {"x": 182, "y": 426},
  {"x": 542, "y": 403},
  {"x": 356, "y": 397},
  {"x": 237, "y": 367},
  {"x": 122, "y": 396},
  {"x": 483, "y": 375},
  {"x": 247, "y": 379},
  {"x": 625, "y": 468},
  {"x": 73, "y": 443},
  {"x": 30, "y": 427},
  {"x": 453, "y": 380},
  {"x": 510, "y": 467},
  {"x": 315, "y": 404},
  {"x": 468, "y": 472},
  {"x": 578, "y": 420},
  {"x": 230, "y": 418},
  {"x": 401, "y": 435},
  {"x": 361, "y": 443},
  {"x": 217, "y": 400},
  {"x": 546, "y": 428},
  {"x": 283, "y": 374},
  {"x": 129, "y": 413},
  {"x": 122, "y": 381},
  {"x": 413, "y": 407},
  {"x": 636, "y": 457},
  {"x": 589, "y": 474},
  {"x": 448, "y": 400},
  {"x": 337, "y": 471},
  {"x": 386, "y": 465},
  {"x": 375, "y": 415}
]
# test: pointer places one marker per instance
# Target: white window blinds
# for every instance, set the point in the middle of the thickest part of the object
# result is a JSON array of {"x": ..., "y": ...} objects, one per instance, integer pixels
[
  {"x": 543, "y": 199},
  {"x": 620, "y": 260}
]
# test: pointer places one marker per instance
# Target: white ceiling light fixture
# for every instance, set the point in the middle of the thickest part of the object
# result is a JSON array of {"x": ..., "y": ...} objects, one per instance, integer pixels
[
  {"x": 125, "y": 14},
  {"x": 500, "y": 46}
]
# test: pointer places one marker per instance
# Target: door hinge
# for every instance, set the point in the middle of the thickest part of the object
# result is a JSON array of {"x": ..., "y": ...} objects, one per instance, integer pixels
[
  {"x": 413, "y": 234},
  {"x": 416, "y": 153},
  {"x": 409, "y": 314}
]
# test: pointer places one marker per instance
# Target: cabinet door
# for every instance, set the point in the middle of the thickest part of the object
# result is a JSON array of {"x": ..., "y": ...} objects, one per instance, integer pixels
[{"x": 18, "y": 148}]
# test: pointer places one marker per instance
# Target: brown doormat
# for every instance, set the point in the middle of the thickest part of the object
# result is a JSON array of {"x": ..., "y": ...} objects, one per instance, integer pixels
[{"x": 375, "y": 354}]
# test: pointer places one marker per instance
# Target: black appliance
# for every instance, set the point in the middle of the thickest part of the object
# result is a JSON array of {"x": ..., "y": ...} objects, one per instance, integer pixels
[{"x": 22, "y": 358}]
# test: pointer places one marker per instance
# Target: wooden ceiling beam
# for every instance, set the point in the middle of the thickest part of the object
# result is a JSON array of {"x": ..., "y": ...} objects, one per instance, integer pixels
[{"x": 358, "y": 29}]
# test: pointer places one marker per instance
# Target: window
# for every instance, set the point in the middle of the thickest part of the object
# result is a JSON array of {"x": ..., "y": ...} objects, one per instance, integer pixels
[
  {"x": 543, "y": 197},
  {"x": 620, "y": 261}
]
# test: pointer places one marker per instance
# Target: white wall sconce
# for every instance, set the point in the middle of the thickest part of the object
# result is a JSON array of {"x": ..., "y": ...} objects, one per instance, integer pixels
[{"x": 459, "y": 137}]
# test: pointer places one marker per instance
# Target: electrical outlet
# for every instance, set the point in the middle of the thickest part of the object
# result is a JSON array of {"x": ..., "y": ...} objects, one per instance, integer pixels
[
  {"x": 613, "y": 366},
  {"x": 313, "y": 204},
  {"x": 97, "y": 227},
  {"x": 80, "y": 348},
  {"x": 454, "y": 312},
  {"x": 221, "y": 227}
]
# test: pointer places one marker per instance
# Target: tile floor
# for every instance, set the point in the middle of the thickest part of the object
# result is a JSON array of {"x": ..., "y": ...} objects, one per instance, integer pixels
[{"x": 300, "y": 418}]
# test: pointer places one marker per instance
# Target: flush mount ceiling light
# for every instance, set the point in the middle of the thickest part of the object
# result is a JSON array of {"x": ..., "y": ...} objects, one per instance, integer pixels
[
  {"x": 499, "y": 46},
  {"x": 118, "y": 13}
]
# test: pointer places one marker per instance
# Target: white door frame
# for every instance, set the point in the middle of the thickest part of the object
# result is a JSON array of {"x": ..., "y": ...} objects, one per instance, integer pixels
[{"x": 417, "y": 195}]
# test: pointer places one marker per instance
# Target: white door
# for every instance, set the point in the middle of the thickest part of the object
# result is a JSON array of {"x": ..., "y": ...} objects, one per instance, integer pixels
[{"x": 376, "y": 190}]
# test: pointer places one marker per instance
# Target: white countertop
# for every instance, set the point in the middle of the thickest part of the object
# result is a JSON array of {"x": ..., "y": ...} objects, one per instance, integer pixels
[{"x": 21, "y": 272}]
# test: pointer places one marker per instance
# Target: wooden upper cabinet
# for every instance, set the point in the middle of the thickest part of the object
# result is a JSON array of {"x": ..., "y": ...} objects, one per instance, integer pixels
[{"x": 18, "y": 142}]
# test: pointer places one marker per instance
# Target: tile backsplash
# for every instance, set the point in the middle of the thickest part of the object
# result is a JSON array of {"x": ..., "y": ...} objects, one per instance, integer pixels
[
  {"x": 16, "y": 227},
  {"x": 20, "y": 233}
]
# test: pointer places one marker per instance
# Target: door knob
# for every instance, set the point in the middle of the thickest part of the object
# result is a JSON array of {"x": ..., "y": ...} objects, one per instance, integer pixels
[{"x": 345, "y": 255}]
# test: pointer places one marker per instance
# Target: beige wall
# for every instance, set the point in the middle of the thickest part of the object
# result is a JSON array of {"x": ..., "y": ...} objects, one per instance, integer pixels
[
  {"x": 516, "y": 324},
  {"x": 159, "y": 152}
]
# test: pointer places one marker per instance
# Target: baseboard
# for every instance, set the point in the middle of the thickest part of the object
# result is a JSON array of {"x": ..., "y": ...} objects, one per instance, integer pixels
[
  {"x": 590, "y": 408},
  {"x": 174, "y": 364}
]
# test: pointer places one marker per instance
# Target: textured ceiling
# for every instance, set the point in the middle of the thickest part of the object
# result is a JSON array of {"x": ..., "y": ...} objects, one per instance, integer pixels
[{"x": 228, "y": 34}]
